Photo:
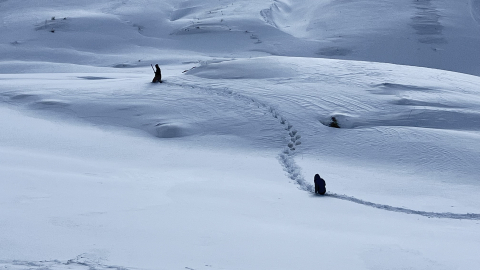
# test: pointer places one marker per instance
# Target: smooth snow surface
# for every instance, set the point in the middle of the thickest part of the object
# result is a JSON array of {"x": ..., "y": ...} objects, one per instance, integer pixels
[{"x": 213, "y": 168}]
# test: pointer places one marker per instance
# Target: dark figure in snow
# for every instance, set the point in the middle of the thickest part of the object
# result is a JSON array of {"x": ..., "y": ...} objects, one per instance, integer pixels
[
  {"x": 158, "y": 74},
  {"x": 334, "y": 123},
  {"x": 319, "y": 185}
]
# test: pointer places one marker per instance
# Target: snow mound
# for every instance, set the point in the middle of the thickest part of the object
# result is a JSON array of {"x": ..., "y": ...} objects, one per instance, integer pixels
[
  {"x": 258, "y": 68},
  {"x": 49, "y": 104},
  {"x": 171, "y": 130}
]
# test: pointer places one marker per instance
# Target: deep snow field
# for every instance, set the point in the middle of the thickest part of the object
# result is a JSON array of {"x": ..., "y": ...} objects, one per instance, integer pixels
[{"x": 213, "y": 169}]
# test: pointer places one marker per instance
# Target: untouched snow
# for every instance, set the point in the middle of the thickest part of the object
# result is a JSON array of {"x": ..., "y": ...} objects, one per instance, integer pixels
[{"x": 213, "y": 169}]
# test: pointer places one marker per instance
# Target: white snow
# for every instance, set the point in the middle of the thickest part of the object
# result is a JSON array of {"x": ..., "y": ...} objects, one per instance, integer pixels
[{"x": 213, "y": 169}]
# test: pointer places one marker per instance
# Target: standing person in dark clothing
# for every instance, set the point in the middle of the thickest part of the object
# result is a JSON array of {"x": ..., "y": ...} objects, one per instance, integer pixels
[
  {"x": 158, "y": 74},
  {"x": 319, "y": 185}
]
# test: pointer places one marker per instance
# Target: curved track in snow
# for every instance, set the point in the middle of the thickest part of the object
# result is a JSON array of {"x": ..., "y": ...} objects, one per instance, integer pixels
[
  {"x": 471, "y": 216},
  {"x": 286, "y": 158}
]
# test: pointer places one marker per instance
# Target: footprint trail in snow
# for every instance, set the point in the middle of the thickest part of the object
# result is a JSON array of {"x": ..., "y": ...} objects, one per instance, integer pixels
[
  {"x": 471, "y": 216},
  {"x": 286, "y": 158}
]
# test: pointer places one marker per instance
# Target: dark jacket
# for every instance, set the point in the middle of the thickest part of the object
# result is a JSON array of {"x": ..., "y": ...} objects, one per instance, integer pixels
[
  {"x": 158, "y": 74},
  {"x": 319, "y": 184}
]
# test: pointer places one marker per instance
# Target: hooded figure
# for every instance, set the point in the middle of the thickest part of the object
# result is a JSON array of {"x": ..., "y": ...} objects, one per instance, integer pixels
[
  {"x": 158, "y": 74},
  {"x": 319, "y": 185}
]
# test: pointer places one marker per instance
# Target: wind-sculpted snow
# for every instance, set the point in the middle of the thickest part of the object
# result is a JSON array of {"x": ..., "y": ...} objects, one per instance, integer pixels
[
  {"x": 294, "y": 172},
  {"x": 471, "y": 216},
  {"x": 95, "y": 158},
  {"x": 438, "y": 112},
  {"x": 79, "y": 263},
  {"x": 286, "y": 157}
]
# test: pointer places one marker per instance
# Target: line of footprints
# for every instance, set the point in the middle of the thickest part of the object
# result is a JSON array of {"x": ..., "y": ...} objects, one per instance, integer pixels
[
  {"x": 294, "y": 139},
  {"x": 294, "y": 136}
]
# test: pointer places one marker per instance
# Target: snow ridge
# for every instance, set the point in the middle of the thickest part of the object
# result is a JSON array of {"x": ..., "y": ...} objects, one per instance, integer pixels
[
  {"x": 286, "y": 157},
  {"x": 469, "y": 216}
]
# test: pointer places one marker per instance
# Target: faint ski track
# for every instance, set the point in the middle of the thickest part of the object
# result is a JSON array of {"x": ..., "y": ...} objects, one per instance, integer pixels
[
  {"x": 471, "y": 216},
  {"x": 286, "y": 158}
]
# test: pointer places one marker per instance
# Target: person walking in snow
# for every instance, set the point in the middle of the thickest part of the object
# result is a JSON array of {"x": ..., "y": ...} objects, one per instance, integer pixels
[
  {"x": 319, "y": 185},
  {"x": 158, "y": 74}
]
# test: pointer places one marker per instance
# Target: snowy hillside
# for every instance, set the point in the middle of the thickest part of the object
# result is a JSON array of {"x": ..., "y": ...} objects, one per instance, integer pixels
[
  {"x": 430, "y": 33},
  {"x": 213, "y": 168}
]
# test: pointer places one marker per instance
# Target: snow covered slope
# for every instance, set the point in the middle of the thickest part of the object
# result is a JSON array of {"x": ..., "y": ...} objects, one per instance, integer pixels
[
  {"x": 213, "y": 169},
  {"x": 431, "y": 33},
  {"x": 207, "y": 190}
]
